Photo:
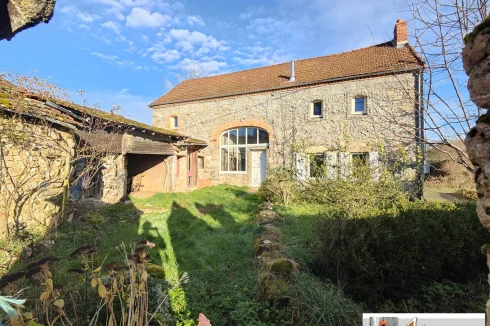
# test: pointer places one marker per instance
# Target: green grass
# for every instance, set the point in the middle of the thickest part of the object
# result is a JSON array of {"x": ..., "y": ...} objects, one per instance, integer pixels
[{"x": 207, "y": 234}]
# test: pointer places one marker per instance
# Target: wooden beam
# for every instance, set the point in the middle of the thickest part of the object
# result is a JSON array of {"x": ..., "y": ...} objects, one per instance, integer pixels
[{"x": 141, "y": 145}]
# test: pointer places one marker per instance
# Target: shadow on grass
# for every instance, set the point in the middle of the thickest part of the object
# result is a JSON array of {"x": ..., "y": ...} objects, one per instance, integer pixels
[{"x": 207, "y": 234}]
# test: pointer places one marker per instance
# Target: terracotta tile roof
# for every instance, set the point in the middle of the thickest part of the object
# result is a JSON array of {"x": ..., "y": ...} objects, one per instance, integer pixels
[{"x": 381, "y": 58}]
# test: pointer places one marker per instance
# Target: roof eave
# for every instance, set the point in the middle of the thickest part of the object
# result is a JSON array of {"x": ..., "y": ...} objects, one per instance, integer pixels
[{"x": 316, "y": 82}]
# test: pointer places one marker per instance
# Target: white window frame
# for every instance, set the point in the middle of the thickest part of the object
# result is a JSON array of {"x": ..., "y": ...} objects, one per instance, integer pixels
[
  {"x": 238, "y": 146},
  {"x": 354, "y": 105},
  {"x": 174, "y": 122},
  {"x": 312, "y": 109}
]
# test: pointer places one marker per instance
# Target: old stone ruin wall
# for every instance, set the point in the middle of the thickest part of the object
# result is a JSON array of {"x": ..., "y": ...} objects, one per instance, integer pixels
[
  {"x": 33, "y": 161},
  {"x": 476, "y": 61}
]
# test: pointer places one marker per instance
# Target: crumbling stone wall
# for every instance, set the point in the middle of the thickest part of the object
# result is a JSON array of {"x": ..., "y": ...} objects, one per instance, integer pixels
[
  {"x": 114, "y": 178},
  {"x": 286, "y": 116},
  {"x": 476, "y": 62},
  {"x": 17, "y": 15},
  {"x": 32, "y": 170}
]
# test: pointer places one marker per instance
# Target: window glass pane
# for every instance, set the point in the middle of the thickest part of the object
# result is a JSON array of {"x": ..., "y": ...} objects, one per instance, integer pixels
[
  {"x": 233, "y": 158},
  {"x": 242, "y": 136},
  {"x": 233, "y": 137},
  {"x": 359, "y": 104},
  {"x": 176, "y": 122},
  {"x": 242, "y": 159},
  {"x": 263, "y": 137},
  {"x": 224, "y": 159},
  {"x": 224, "y": 139},
  {"x": 252, "y": 135},
  {"x": 317, "y": 108}
]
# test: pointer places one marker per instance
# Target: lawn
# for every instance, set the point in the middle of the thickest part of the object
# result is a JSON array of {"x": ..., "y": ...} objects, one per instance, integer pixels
[{"x": 207, "y": 234}]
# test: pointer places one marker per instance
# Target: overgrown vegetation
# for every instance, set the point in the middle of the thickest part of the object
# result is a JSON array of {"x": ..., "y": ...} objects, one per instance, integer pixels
[{"x": 363, "y": 234}]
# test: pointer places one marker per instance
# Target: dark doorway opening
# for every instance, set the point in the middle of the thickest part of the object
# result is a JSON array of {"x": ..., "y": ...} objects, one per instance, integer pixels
[{"x": 147, "y": 173}]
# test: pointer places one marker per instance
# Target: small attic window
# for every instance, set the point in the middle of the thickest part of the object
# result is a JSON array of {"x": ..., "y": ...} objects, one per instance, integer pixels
[
  {"x": 359, "y": 105},
  {"x": 317, "y": 109},
  {"x": 174, "y": 122}
]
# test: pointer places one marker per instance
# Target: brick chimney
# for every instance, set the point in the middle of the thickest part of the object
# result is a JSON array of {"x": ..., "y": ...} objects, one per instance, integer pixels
[{"x": 400, "y": 33}]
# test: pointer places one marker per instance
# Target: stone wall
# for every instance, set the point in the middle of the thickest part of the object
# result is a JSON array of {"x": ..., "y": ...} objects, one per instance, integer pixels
[
  {"x": 17, "y": 15},
  {"x": 476, "y": 62},
  {"x": 114, "y": 178},
  {"x": 286, "y": 115},
  {"x": 32, "y": 170}
]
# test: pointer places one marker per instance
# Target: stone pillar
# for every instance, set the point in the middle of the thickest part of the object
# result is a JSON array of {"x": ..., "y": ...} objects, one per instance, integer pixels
[
  {"x": 114, "y": 178},
  {"x": 476, "y": 62}
]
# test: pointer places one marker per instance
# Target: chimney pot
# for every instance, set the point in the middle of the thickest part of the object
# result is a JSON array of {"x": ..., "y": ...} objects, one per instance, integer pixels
[
  {"x": 400, "y": 33},
  {"x": 292, "y": 76}
]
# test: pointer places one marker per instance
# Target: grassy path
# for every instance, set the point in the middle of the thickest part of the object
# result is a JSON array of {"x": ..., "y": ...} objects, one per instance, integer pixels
[{"x": 207, "y": 234}]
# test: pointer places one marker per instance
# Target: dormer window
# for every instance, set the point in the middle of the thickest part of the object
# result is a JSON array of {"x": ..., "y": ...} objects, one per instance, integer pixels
[
  {"x": 317, "y": 109},
  {"x": 174, "y": 122},
  {"x": 359, "y": 105}
]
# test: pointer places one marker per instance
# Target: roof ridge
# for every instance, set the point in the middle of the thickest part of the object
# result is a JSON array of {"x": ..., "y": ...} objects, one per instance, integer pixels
[
  {"x": 376, "y": 58},
  {"x": 281, "y": 63}
]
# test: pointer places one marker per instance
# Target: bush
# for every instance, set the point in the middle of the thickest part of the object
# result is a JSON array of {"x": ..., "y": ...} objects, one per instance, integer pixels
[
  {"x": 359, "y": 194},
  {"x": 279, "y": 187},
  {"x": 400, "y": 255}
]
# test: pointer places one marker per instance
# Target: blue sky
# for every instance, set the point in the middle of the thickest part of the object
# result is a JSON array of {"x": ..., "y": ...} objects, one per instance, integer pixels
[{"x": 123, "y": 52}]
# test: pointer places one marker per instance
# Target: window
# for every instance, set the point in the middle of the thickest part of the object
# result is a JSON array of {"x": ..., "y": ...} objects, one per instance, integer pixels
[
  {"x": 318, "y": 166},
  {"x": 234, "y": 145},
  {"x": 360, "y": 105},
  {"x": 201, "y": 162},
  {"x": 359, "y": 160},
  {"x": 174, "y": 122},
  {"x": 317, "y": 109}
]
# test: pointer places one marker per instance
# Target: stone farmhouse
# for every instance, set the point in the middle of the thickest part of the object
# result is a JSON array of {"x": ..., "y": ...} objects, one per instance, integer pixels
[
  {"x": 53, "y": 151},
  {"x": 327, "y": 110}
]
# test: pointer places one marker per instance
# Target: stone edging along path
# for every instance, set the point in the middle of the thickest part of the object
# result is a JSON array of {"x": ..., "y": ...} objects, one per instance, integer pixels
[{"x": 276, "y": 269}]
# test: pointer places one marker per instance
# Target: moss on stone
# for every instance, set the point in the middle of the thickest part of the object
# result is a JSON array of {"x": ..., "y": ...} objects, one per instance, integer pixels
[
  {"x": 156, "y": 271},
  {"x": 272, "y": 287},
  {"x": 282, "y": 266},
  {"x": 5, "y": 100},
  {"x": 477, "y": 30}
]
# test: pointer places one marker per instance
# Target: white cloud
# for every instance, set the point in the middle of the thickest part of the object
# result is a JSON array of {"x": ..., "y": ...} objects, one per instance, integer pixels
[
  {"x": 186, "y": 40},
  {"x": 194, "y": 20},
  {"x": 140, "y": 17},
  {"x": 116, "y": 61},
  {"x": 113, "y": 26},
  {"x": 78, "y": 15},
  {"x": 206, "y": 67},
  {"x": 166, "y": 56},
  {"x": 105, "y": 56},
  {"x": 252, "y": 11},
  {"x": 87, "y": 17}
]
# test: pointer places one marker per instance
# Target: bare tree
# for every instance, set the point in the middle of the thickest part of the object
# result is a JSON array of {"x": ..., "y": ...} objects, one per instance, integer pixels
[
  {"x": 190, "y": 72},
  {"x": 438, "y": 28}
]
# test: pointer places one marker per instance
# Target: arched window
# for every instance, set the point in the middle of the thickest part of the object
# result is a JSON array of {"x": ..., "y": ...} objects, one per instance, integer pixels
[{"x": 234, "y": 144}]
